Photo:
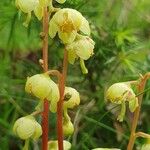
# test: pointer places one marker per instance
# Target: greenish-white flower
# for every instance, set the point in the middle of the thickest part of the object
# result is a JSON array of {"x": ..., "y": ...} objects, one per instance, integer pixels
[
  {"x": 72, "y": 98},
  {"x": 43, "y": 87},
  {"x": 27, "y": 127},
  {"x": 67, "y": 22},
  {"x": 119, "y": 93},
  {"x": 81, "y": 48},
  {"x": 53, "y": 145},
  {"x": 27, "y": 6}
]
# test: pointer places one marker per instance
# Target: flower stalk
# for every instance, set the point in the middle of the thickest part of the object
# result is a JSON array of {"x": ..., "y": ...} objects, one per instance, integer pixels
[
  {"x": 61, "y": 81},
  {"x": 133, "y": 134},
  {"x": 45, "y": 114}
]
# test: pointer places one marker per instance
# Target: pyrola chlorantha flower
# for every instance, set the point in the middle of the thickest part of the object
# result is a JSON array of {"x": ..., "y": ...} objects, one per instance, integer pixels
[
  {"x": 53, "y": 145},
  {"x": 82, "y": 47},
  {"x": 43, "y": 87},
  {"x": 27, "y": 6},
  {"x": 119, "y": 93},
  {"x": 27, "y": 127},
  {"x": 72, "y": 98},
  {"x": 67, "y": 22}
]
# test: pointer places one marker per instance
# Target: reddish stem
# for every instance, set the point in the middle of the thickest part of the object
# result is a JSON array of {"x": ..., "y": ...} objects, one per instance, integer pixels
[
  {"x": 45, "y": 67},
  {"x": 141, "y": 88},
  {"x": 60, "y": 103}
]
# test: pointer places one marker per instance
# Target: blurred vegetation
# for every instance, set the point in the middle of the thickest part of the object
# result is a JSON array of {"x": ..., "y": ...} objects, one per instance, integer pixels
[{"x": 121, "y": 30}]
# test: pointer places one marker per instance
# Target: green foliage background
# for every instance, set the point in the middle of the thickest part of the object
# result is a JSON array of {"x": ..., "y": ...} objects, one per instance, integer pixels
[{"x": 121, "y": 30}]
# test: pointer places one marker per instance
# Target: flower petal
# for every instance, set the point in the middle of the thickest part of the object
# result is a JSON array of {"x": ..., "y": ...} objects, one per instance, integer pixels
[
  {"x": 38, "y": 12},
  {"x": 53, "y": 28},
  {"x": 54, "y": 97},
  {"x": 85, "y": 28},
  {"x": 133, "y": 104},
  {"x": 67, "y": 37},
  {"x": 27, "y": 5},
  {"x": 84, "y": 48}
]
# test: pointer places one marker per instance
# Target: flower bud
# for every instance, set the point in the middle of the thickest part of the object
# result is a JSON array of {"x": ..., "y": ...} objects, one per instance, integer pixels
[
  {"x": 71, "y": 98},
  {"x": 27, "y": 127},
  {"x": 68, "y": 128},
  {"x": 53, "y": 145},
  {"x": 43, "y": 87}
]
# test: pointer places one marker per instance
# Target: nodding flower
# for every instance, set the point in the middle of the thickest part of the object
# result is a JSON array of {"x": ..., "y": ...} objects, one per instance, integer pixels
[
  {"x": 41, "y": 86},
  {"x": 27, "y": 127},
  {"x": 119, "y": 93},
  {"x": 81, "y": 48},
  {"x": 27, "y": 6},
  {"x": 67, "y": 22}
]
